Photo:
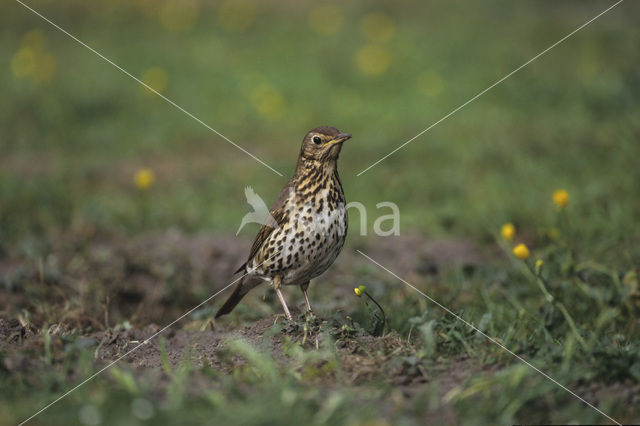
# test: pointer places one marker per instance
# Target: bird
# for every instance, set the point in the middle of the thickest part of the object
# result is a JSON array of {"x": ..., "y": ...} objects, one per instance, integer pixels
[
  {"x": 260, "y": 213},
  {"x": 307, "y": 227}
]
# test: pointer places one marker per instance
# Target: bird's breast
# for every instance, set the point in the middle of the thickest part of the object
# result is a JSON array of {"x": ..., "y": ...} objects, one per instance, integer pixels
[{"x": 313, "y": 234}]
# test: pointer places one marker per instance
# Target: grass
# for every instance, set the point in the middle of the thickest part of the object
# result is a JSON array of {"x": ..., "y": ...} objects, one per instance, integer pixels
[{"x": 86, "y": 267}]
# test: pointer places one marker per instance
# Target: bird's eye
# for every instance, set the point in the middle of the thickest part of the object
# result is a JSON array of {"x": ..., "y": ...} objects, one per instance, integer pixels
[{"x": 317, "y": 140}]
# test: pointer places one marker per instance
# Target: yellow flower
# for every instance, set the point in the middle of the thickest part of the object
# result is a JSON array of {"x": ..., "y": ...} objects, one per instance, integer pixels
[
  {"x": 144, "y": 178},
  {"x": 45, "y": 68},
  {"x": 32, "y": 60},
  {"x": 539, "y": 265},
  {"x": 268, "y": 101},
  {"x": 561, "y": 198},
  {"x": 359, "y": 291},
  {"x": 373, "y": 60},
  {"x": 326, "y": 19},
  {"x": 34, "y": 40},
  {"x": 508, "y": 231},
  {"x": 23, "y": 62},
  {"x": 156, "y": 78},
  {"x": 521, "y": 251},
  {"x": 378, "y": 27}
]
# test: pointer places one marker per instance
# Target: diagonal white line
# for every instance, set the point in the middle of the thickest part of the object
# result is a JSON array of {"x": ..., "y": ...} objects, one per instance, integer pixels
[
  {"x": 491, "y": 339},
  {"x": 146, "y": 341},
  {"x": 150, "y": 88},
  {"x": 492, "y": 86}
]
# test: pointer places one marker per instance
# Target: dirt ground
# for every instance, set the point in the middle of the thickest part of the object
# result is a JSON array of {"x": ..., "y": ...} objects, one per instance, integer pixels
[
  {"x": 100, "y": 281},
  {"x": 363, "y": 359},
  {"x": 89, "y": 287},
  {"x": 111, "y": 294}
]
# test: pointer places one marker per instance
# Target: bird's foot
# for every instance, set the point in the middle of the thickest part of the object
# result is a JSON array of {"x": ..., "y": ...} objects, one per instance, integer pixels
[{"x": 308, "y": 316}]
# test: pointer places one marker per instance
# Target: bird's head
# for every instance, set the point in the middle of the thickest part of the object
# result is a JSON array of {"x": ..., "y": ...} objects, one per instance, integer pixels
[{"x": 323, "y": 144}]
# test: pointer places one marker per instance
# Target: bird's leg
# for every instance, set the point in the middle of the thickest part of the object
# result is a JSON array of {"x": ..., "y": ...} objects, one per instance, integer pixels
[
  {"x": 304, "y": 288},
  {"x": 277, "y": 285}
]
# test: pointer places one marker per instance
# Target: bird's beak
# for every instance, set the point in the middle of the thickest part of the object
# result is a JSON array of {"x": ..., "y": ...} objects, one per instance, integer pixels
[{"x": 339, "y": 139}]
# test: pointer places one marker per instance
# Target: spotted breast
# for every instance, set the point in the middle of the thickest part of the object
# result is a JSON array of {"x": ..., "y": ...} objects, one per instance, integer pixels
[{"x": 311, "y": 235}]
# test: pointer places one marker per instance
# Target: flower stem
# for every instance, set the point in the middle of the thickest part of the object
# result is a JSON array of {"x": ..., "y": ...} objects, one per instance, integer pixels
[
  {"x": 542, "y": 284},
  {"x": 384, "y": 317}
]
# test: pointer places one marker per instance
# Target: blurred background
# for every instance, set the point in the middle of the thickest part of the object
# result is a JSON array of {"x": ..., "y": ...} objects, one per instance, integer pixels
[
  {"x": 74, "y": 130},
  {"x": 118, "y": 211}
]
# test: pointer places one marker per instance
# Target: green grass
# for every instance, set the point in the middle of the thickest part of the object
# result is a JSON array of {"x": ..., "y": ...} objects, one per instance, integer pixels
[{"x": 71, "y": 145}]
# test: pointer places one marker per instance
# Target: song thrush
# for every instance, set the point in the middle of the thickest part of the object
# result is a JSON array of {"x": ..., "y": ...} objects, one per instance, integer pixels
[{"x": 309, "y": 224}]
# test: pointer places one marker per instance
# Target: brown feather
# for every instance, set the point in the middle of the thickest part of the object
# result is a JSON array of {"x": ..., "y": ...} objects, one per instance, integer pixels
[
  {"x": 279, "y": 214},
  {"x": 242, "y": 288}
]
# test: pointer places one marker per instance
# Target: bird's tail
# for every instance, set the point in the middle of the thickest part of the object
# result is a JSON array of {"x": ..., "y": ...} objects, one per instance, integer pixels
[{"x": 242, "y": 288}]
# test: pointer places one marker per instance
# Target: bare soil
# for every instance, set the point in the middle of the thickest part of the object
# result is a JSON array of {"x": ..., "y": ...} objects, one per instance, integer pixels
[
  {"x": 98, "y": 281},
  {"x": 111, "y": 294}
]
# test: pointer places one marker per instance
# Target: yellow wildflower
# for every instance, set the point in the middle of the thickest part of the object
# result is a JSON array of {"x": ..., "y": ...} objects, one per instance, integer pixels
[
  {"x": 31, "y": 60},
  {"x": 34, "y": 40},
  {"x": 144, "y": 178},
  {"x": 521, "y": 251},
  {"x": 23, "y": 62},
  {"x": 373, "y": 60},
  {"x": 156, "y": 78},
  {"x": 561, "y": 197},
  {"x": 268, "y": 101},
  {"x": 539, "y": 265},
  {"x": 359, "y": 291},
  {"x": 508, "y": 231},
  {"x": 45, "y": 68}
]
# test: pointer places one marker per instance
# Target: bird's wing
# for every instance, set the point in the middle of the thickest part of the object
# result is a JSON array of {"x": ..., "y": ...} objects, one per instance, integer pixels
[{"x": 279, "y": 214}]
